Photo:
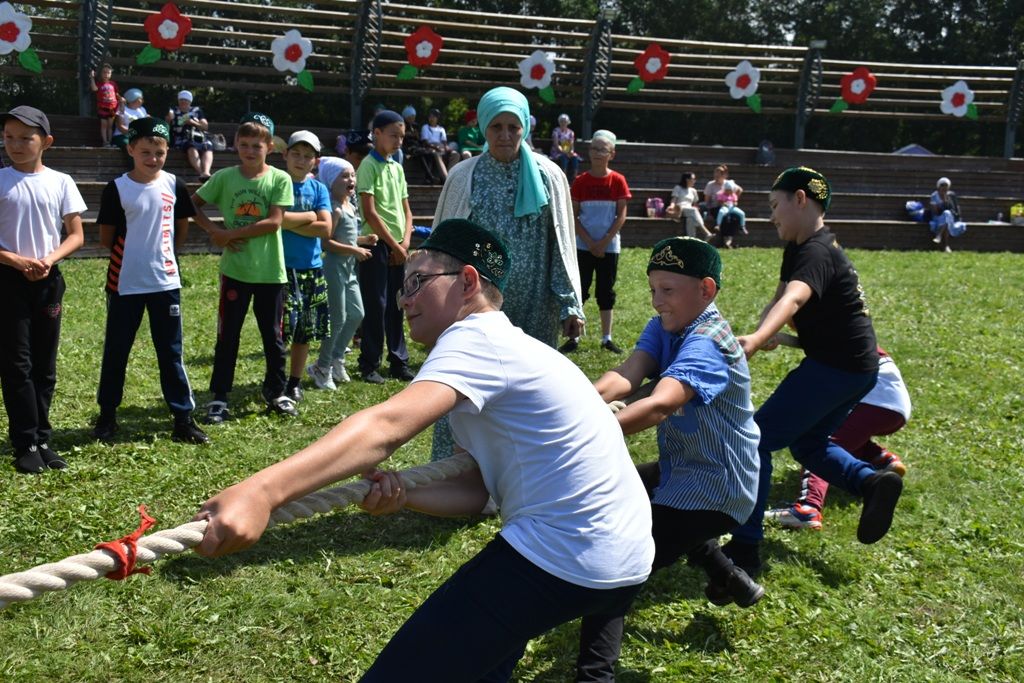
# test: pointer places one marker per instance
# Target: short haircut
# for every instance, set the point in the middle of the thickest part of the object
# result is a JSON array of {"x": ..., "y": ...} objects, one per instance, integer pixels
[
  {"x": 722, "y": 168},
  {"x": 106, "y": 66},
  {"x": 449, "y": 262},
  {"x": 251, "y": 129},
  {"x": 362, "y": 149},
  {"x": 151, "y": 138}
]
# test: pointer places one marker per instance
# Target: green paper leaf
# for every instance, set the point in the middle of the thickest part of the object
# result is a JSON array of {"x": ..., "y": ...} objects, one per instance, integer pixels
[
  {"x": 29, "y": 60},
  {"x": 972, "y": 112},
  {"x": 635, "y": 85},
  {"x": 839, "y": 106},
  {"x": 754, "y": 102},
  {"x": 148, "y": 55},
  {"x": 547, "y": 94},
  {"x": 407, "y": 73},
  {"x": 306, "y": 80}
]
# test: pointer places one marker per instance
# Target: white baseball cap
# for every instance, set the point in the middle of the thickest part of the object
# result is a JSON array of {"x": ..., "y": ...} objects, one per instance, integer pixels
[{"x": 307, "y": 137}]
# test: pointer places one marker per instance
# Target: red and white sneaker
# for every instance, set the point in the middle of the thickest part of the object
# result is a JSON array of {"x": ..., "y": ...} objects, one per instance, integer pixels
[
  {"x": 887, "y": 461},
  {"x": 796, "y": 516}
]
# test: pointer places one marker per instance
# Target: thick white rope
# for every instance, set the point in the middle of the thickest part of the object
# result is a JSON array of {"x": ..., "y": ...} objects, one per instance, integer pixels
[{"x": 27, "y": 585}]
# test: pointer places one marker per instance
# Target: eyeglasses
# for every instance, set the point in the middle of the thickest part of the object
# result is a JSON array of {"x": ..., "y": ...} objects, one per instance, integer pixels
[
  {"x": 600, "y": 151},
  {"x": 414, "y": 283}
]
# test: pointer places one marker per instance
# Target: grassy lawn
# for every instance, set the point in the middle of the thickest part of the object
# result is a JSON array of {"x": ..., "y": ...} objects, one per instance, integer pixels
[{"x": 939, "y": 599}]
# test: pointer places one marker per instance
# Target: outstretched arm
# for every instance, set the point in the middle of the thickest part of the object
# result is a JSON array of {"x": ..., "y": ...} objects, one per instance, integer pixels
[
  {"x": 239, "y": 514},
  {"x": 789, "y": 298}
]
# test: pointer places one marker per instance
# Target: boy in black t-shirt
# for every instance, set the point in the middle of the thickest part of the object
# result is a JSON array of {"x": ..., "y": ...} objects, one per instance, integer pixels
[{"x": 820, "y": 293}]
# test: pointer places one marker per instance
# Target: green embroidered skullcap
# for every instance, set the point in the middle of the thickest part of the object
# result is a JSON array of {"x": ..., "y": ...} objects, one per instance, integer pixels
[
  {"x": 473, "y": 245},
  {"x": 687, "y": 256},
  {"x": 810, "y": 181},
  {"x": 257, "y": 117},
  {"x": 148, "y": 127}
]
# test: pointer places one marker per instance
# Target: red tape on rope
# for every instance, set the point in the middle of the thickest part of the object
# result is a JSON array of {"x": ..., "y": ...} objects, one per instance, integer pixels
[{"x": 126, "y": 548}]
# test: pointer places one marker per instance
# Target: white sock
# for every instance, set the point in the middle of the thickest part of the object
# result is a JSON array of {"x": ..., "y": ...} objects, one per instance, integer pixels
[{"x": 606, "y": 337}]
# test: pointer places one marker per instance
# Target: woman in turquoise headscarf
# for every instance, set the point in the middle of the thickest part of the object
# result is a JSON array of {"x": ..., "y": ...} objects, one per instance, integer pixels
[{"x": 524, "y": 198}]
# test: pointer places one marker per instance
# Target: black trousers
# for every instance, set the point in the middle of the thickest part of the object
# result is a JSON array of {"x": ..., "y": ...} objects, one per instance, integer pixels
[
  {"x": 29, "y": 334},
  {"x": 124, "y": 315},
  {"x": 268, "y": 307},
  {"x": 607, "y": 269},
  {"x": 382, "y": 317},
  {"x": 693, "y": 533}
]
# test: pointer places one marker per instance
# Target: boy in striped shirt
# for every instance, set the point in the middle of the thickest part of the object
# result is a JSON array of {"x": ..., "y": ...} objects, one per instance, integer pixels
[{"x": 705, "y": 481}]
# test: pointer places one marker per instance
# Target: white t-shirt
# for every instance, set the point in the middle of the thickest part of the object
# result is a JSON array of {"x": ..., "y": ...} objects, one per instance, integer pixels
[
  {"x": 143, "y": 217},
  {"x": 889, "y": 391},
  {"x": 129, "y": 115},
  {"x": 32, "y": 210},
  {"x": 433, "y": 135},
  {"x": 551, "y": 453}
]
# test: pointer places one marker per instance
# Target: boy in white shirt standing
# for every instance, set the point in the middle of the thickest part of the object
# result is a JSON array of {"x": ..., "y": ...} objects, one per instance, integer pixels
[
  {"x": 32, "y": 198},
  {"x": 143, "y": 220}
]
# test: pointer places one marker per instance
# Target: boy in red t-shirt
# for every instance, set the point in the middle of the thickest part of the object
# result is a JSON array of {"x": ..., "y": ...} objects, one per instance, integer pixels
[
  {"x": 599, "y": 203},
  {"x": 108, "y": 98}
]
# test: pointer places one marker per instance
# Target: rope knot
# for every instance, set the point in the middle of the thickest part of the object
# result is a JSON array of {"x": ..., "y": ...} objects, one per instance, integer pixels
[{"x": 126, "y": 549}]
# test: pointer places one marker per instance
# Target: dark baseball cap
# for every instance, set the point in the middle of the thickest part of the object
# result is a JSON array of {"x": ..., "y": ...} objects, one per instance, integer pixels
[{"x": 30, "y": 116}]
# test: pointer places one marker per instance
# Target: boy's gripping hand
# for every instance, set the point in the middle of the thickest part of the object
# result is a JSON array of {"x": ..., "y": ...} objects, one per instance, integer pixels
[
  {"x": 237, "y": 517},
  {"x": 386, "y": 496}
]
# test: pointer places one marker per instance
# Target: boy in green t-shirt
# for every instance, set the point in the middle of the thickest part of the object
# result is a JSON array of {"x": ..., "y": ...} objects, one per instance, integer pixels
[
  {"x": 252, "y": 197},
  {"x": 384, "y": 205}
]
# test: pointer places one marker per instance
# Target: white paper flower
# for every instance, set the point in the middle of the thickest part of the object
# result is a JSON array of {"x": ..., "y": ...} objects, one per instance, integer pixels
[
  {"x": 743, "y": 80},
  {"x": 14, "y": 28},
  {"x": 291, "y": 52},
  {"x": 424, "y": 49},
  {"x": 537, "y": 69},
  {"x": 956, "y": 99},
  {"x": 168, "y": 29}
]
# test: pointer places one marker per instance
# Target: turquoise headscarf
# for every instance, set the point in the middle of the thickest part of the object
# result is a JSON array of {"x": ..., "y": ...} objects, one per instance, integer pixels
[{"x": 531, "y": 194}]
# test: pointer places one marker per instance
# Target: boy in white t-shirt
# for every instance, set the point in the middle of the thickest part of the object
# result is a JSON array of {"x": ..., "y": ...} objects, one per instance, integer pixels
[
  {"x": 576, "y": 534},
  {"x": 35, "y": 203},
  {"x": 143, "y": 220}
]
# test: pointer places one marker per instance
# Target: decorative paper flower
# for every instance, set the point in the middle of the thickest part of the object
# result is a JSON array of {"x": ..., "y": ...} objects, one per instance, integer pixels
[
  {"x": 167, "y": 30},
  {"x": 651, "y": 65},
  {"x": 422, "y": 47},
  {"x": 958, "y": 100},
  {"x": 290, "y": 54},
  {"x": 855, "y": 87},
  {"x": 743, "y": 82},
  {"x": 14, "y": 37},
  {"x": 536, "y": 71}
]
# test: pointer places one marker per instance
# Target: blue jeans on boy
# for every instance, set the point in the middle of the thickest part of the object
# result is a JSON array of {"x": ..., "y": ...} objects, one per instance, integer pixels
[
  {"x": 124, "y": 315},
  {"x": 801, "y": 414},
  {"x": 476, "y": 625}
]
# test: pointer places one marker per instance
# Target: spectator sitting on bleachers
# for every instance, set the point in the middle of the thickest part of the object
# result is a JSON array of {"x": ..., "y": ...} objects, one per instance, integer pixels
[
  {"x": 129, "y": 110},
  {"x": 471, "y": 140},
  {"x": 437, "y": 157},
  {"x": 563, "y": 141},
  {"x": 683, "y": 207},
  {"x": 188, "y": 128},
  {"x": 945, "y": 212},
  {"x": 731, "y": 219},
  {"x": 711, "y": 190}
]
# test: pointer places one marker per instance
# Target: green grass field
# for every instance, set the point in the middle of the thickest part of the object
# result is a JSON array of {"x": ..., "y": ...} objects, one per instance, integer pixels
[{"x": 939, "y": 599}]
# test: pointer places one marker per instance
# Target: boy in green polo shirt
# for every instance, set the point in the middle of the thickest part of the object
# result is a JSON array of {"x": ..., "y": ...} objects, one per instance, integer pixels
[
  {"x": 252, "y": 197},
  {"x": 384, "y": 204}
]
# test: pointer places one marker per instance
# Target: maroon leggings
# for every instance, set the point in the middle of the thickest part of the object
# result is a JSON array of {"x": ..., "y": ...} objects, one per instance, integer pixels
[{"x": 864, "y": 421}]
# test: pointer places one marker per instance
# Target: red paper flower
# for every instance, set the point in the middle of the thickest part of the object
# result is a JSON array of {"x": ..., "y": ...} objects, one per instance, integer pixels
[
  {"x": 168, "y": 28},
  {"x": 857, "y": 86},
  {"x": 423, "y": 46},
  {"x": 652, "y": 63}
]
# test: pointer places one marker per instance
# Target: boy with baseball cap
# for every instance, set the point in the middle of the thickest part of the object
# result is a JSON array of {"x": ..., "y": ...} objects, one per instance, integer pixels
[{"x": 32, "y": 197}]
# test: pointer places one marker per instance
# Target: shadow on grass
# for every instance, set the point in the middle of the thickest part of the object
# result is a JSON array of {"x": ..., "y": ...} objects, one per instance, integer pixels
[{"x": 331, "y": 535}]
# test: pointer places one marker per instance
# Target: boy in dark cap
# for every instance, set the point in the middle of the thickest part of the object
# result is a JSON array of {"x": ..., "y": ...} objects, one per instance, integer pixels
[
  {"x": 576, "y": 534},
  {"x": 705, "y": 482},
  {"x": 36, "y": 202},
  {"x": 819, "y": 293},
  {"x": 143, "y": 220}
]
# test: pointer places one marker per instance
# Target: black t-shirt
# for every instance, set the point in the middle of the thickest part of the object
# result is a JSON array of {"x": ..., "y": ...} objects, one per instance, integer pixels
[{"x": 834, "y": 325}]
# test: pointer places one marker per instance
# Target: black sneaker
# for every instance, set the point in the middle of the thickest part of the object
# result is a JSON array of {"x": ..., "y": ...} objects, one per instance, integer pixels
[
  {"x": 609, "y": 345},
  {"x": 569, "y": 346},
  {"x": 216, "y": 412},
  {"x": 51, "y": 458},
  {"x": 28, "y": 461},
  {"x": 295, "y": 393},
  {"x": 283, "y": 405},
  {"x": 187, "y": 431},
  {"x": 402, "y": 372},
  {"x": 738, "y": 588},
  {"x": 106, "y": 427},
  {"x": 373, "y": 377},
  {"x": 746, "y": 556},
  {"x": 881, "y": 492}
]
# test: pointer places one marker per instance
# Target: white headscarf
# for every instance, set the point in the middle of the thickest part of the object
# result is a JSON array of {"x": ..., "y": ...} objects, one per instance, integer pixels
[{"x": 330, "y": 168}]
